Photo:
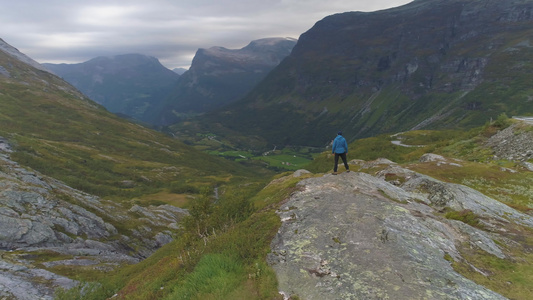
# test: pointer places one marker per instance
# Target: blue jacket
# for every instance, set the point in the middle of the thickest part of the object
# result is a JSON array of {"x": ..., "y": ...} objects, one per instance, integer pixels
[{"x": 339, "y": 145}]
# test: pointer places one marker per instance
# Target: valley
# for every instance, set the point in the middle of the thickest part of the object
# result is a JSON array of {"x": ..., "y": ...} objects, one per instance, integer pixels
[{"x": 233, "y": 196}]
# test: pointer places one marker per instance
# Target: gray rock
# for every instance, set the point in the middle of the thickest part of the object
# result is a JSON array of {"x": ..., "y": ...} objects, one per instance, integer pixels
[
  {"x": 527, "y": 165},
  {"x": 357, "y": 236},
  {"x": 460, "y": 197},
  {"x": 438, "y": 159},
  {"x": 163, "y": 238},
  {"x": 26, "y": 283},
  {"x": 40, "y": 213},
  {"x": 71, "y": 262},
  {"x": 428, "y": 157},
  {"x": 300, "y": 172},
  {"x": 512, "y": 143}
]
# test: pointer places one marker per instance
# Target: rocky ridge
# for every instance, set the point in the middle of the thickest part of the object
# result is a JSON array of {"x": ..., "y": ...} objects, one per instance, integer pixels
[
  {"x": 40, "y": 215},
  {"x": 383, "y": 236}
]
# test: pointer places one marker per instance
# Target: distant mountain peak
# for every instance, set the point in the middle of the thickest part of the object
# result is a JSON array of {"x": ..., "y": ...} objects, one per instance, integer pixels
[
  {"x": 129, "y": 84},
  {"x": 219, "y": 76},
  {"x": 254, "y": 52},
  {"x": 272, "y": 41}
]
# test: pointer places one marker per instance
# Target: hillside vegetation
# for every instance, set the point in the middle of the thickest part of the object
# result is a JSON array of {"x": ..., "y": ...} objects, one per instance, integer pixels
[
  {"x": 221, "y": 252},
  {"x": 56, "y": 130},
  {"x": 79, "y": 182},
  {"x": 429, "y": 64}
]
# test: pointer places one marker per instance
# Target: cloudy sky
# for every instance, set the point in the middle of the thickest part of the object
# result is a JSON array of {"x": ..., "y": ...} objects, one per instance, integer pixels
[{"x": 73, "y": 31}]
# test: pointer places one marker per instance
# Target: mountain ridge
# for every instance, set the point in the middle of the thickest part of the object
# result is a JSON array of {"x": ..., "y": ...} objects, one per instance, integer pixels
[
  {"x": 10, "y": 50},
  {"x": 130, "y": 84},
  {"x": 424, "y": 65},
  {"x": 219, "y": 76}
]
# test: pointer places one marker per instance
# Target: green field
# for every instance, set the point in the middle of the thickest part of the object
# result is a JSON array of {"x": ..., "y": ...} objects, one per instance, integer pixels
[{"x": 281, "y": 160}]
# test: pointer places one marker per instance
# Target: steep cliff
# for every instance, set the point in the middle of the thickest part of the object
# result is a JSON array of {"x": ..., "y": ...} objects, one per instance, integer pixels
[{"x": 427, "y": 64}]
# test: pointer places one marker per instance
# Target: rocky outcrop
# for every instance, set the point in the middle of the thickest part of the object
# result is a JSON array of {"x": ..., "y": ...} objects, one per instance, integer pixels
[
  {"x": 358, "y": 236},
  {"x": 39, "y": 214},
  {"x": 513, "y": 143}
]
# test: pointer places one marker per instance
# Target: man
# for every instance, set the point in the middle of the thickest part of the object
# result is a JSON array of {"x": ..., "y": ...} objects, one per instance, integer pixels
[{"x": 340, "y": 148}]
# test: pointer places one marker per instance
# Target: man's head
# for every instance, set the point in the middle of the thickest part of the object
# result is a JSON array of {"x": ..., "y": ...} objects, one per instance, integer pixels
[{"x": 339, "y": 133}]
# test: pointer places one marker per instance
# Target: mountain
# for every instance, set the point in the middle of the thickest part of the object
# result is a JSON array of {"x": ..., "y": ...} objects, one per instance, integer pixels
[
  {"x": 129, "y": 84},
  {"x": 219, "y": 76},
  {"x": 427, "y": 64},
  {"x": 82, "y": 191},
  {"x": 140, "y": 87},
  {"x": 179, "y": 71}
]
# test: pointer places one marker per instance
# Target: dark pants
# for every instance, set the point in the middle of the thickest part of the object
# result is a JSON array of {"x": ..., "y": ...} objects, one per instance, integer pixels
[{"x": 343, "y": 156}]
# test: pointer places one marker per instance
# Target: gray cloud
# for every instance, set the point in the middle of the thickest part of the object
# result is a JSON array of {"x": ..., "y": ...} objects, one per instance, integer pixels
[{"x": 171, "y": 30}]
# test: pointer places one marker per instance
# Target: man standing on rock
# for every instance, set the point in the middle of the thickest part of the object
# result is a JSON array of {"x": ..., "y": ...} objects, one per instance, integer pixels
[{"x": 340, "y": 148}]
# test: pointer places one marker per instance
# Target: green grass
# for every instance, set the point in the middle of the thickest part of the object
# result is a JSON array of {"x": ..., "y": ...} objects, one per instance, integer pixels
[
  {"x": 466, "y": 216},
  {"x": 510, "y": 277},
  {"x": 214, "y": 277},
  {"x": 221, "y": 253}
]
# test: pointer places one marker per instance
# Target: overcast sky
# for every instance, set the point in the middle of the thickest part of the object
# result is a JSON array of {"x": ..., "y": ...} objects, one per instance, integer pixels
[{"x": 73, "y": 31}]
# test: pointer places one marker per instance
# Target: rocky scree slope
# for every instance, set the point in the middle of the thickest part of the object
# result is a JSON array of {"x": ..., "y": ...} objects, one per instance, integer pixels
[
  {"x": 40, "y": 215},
  {"x": 425, "y": 65},
  {"x": 514, "y": 143},
  {"x": 362, "y": 236}
]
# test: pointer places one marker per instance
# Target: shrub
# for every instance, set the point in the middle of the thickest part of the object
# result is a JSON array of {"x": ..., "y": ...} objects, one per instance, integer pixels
[{"x": 502, "y": 121}]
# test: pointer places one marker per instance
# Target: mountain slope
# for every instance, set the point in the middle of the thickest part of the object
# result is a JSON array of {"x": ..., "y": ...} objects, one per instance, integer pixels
[
  {"x": 56, "y": 130},
  {"x": 79, "y": 182},
  {"x": 427, "y": 64},
  {"x": 219, "y": 76},
  {"x": 129, "y": 84}
]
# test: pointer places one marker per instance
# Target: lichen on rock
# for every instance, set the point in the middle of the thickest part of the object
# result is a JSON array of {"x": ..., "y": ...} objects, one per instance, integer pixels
[{"x": 357, "y": 236}]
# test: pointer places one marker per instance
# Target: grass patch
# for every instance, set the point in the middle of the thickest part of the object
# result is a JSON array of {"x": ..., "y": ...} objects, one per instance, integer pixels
[
  {"x": 466, "y": 216},
  {"x": 509, "y": 277},
  {"x": 214, "y": 277},
  {"x": 163, "y": 197}
]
